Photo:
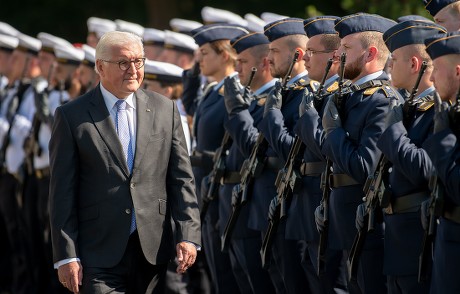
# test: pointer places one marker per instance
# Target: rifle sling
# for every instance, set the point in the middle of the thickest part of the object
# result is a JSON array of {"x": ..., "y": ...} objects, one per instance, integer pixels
[
  {"x": 312, "y": 168},
  {"x": 341, "y": 180},
  {"x": 407, "y": 203}
]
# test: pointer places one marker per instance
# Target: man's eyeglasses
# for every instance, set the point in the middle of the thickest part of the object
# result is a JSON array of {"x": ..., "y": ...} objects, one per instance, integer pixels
[
  {"x": 310, "y": 52},
  {"x": 126, "y": 64}
]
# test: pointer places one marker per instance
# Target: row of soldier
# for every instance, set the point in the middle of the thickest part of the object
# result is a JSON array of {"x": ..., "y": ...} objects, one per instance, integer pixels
[{"x": 259, "y": 147}]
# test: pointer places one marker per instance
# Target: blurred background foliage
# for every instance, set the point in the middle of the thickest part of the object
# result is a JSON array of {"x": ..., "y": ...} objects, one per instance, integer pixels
[{"x": 67, "y": 19}]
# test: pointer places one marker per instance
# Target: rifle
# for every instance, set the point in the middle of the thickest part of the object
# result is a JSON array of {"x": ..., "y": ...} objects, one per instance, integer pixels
[
  {"x": 251, "y": 168},
  {"x": 325, "y": 180},
  {"x": 319, "y": 98},
  {"x": 287, "y": 77},
  {"x": 410, "y": 104},
  {"x": 374, "y": 196},
  {"x": 217, "y": 173},
  {"x": 338, "y": 97},
  {"x": 287, "y": 182},
  {"x": 435, "y": 211},
  {"x": 218, "y": 169}
]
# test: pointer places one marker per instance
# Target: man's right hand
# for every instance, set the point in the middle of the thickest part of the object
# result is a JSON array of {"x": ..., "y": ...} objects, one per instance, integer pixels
[
  {"x": 360, "y": 214},
  {"x": 319, "y": 218},
  {"x": 70, "y": 275},
  {"x": 234, "y": 100}
]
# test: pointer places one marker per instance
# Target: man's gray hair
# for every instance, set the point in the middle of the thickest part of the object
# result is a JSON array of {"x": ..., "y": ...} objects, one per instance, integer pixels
[{"x": 112, "y": 39}]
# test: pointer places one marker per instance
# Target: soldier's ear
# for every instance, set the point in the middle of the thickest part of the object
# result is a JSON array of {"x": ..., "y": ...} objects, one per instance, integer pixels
[
  {"x": 301, "y": 53},
  {"x": 372, "y": 53}
]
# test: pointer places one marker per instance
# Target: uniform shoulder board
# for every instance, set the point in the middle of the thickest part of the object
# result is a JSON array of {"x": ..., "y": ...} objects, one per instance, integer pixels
[
  {"x": 334, "y": 87},
  {"x": 425, "y": 103},
  {"x": 389, "y": 92},
  {"x": 370, "y": 91},
  {"x": 314, "y": 85},
  {"x": 424, "y": 106}
]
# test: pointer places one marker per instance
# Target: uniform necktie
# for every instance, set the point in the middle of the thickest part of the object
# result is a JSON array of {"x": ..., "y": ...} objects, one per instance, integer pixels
[{"x": 124, "y": 135}]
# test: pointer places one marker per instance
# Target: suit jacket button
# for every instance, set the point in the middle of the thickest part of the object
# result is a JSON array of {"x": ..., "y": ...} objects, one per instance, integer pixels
[
  {"x": 128, "y": 211},
  {"x": 132, "y": 185}
]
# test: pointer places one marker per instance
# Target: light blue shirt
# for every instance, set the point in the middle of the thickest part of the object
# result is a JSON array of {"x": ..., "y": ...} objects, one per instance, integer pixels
[
  {"x": 426, "y": 92},
  {"x": 264, "y": 87},
  {"x": 367, "y": 78},
  {"x": 110, "y": 101},
  {"x": 297, "y": 77}
]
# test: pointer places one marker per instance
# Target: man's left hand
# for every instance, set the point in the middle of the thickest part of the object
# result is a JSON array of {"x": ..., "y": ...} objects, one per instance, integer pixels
[
  {"x": 331, "y": 118},
  {"x": 186, "y": 256}
]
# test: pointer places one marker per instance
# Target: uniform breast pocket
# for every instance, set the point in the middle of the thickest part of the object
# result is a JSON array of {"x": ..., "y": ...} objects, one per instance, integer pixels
[{"x": 162, "y": 206}]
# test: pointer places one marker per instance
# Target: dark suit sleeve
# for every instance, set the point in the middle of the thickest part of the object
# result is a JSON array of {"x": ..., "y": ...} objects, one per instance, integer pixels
[
  {"x": 63, "y": 183},
  {"x": 181, "y": 188}
]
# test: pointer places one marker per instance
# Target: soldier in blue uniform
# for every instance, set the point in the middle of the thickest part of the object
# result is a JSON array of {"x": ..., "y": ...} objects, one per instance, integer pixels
[
  {"x": 244, "y": 114},
  {"x": 445, "y": 13},
  {"x": 410, "y": 167},
  {"x": 444, "y": 151},
  {"x": 216, "y": 60},
  {"x": 277, "y": 125},
  {"x": 352, "y": 126},
  {"x": 18, "y": 109},
  {"x": 322, "y": 45}
]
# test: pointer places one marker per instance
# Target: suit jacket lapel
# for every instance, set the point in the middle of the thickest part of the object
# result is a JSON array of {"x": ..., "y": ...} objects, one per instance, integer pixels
[
  {"x": 106, "y": 129},
  {"x": 145, "y": 116}
]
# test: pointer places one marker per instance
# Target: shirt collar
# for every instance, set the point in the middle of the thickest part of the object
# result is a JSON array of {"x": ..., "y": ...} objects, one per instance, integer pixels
[
  {"x": 111, "y": 99},
  {"x": 265, "y": 87},
  {"x": 426, "y": 92},
  {"x": 220, "y": 84},
  {"x": 367, "y": 78}
]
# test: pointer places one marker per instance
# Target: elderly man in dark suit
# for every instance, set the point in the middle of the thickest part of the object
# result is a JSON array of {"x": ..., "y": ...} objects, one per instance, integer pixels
[{"x": 120, "y": 177}]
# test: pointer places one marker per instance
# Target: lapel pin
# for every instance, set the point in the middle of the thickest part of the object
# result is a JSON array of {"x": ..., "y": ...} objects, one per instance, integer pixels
[{"x": 148, "y": 110}]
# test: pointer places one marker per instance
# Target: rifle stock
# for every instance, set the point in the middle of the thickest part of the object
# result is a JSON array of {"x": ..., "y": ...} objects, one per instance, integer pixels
[
  {"x": 252, "y": 167},
  {"x": 435, "y": 210},
  {"x": 287, "y": 182},
  {"x": 217, "y": 173},
  {"x": 373, "y": 190}
]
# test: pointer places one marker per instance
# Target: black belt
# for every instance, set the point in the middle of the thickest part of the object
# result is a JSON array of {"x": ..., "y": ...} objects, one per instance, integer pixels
[
  {"x": 341, "y": 180},
  {"x": 312, "y": 168},
  {"x": 407, "y": 203},
  {"x": 202, "y": 159},
  {"x": 231, "y": 177},
  {"x": 274, "y": 163},
  {"x": 452, "y": 213},
  {"x": 41, "y": 173}
]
